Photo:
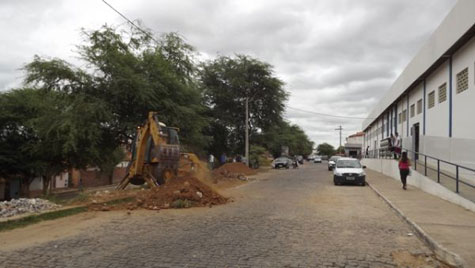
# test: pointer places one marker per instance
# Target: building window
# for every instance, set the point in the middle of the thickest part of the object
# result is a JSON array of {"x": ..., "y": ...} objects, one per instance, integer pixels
[
  {"x": 419, "y": 106},
  {"x": 431, "y": 98},
  {"x": 400, "y": 118},
  {"x": 462, "y": 81},
  {"x": 443, "y": 92},
  {"x": 404, "y": 116},
  {"x": 413, "y": 110}
]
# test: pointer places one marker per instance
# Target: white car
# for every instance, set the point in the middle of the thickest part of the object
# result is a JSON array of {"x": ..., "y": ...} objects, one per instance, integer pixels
[
  {"x": 349, "y": 170},
  {"x": 317, "y": 159},
  {"x": 332, "y": 161}
]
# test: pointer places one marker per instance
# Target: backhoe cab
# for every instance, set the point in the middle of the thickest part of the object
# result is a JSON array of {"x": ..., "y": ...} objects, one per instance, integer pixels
[{"x": 155, "y": 154}]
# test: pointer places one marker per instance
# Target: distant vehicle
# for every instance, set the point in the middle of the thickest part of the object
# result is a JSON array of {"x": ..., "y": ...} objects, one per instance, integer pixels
[
  {"x": 299, "y": 158},
  {"x": 332, "y": 162},
  {"x": 310, "y": 157},
  {"x": 282, "y": 162},
  {"x": 317, "y": 159},
  {"x": 349, "y": 170}
]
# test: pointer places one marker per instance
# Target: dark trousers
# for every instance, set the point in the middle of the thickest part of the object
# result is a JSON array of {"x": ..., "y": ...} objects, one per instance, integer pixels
[{"x": 404, "y": 173}]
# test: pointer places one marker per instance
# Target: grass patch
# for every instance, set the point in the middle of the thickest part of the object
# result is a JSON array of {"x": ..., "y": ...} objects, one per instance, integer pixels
[
  {"x": 119, "y": 201},
  {"x": 13, "y": 224},
  {"x": 181, "y": 203}
]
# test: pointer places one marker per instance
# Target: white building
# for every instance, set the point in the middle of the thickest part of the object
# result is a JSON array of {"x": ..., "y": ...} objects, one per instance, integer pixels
[
  {"x": 354, "y": 145},
  {"x": 432, "y": 102}
]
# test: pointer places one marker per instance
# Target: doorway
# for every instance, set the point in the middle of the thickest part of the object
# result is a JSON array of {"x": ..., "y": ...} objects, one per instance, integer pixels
[{"x": 415, "y": 140}]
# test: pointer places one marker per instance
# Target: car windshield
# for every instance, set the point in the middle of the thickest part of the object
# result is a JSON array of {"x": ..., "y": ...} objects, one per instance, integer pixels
[
  {"x": 281, "y": 159},
  {"x": 348, "y": 164},
  {"x": 334, "y": 158}
]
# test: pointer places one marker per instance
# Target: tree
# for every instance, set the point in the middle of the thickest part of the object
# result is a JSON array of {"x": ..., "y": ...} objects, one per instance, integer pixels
[
  {"x": 326, "y": 149},
  {"x": 131, "y": 75},
  {"x": 285, "y": 134},
  {"x": 52, "y": 132},
  {"x": 226, "y": 83},
  {"x": 340, "y": 150}
]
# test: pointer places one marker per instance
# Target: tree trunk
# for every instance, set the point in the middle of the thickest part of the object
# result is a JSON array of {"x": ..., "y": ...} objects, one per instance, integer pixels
[
  {"x": 25, "y": 186},
  {"x": 46, "y": 183}
]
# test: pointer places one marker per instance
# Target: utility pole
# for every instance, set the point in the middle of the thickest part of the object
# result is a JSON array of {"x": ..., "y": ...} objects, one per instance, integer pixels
[
  {"x": 247, "y": 132},
  {"x": 340, "y": 129}
]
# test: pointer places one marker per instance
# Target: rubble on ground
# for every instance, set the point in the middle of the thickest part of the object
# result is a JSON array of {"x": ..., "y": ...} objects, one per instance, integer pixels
[
  {"x": 181, "y": 192},
  {"x": 235, "y": 170},
  {"x": 25, "y": 205}
]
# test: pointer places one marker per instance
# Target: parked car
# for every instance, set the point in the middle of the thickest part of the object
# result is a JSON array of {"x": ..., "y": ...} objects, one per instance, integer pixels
[
  {"x": 310, "y": 157},
  {"x": 332, "y": 161},
  {"x": 349, "y": 170},
  {"x": 282, "y": 162},
  {"x": 317, "y": 159}
]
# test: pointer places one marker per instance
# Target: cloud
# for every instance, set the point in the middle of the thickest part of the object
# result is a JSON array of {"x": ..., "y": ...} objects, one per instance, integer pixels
[{"x": 337, "y": 57}]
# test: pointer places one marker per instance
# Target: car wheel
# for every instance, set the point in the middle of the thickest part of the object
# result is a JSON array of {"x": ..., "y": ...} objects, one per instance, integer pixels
[
  {"x": 363, "y": 183},
  {"x": 329, "y": 169}
]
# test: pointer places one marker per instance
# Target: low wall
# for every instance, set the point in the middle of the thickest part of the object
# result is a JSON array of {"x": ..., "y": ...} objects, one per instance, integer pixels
[{"x": 390, "y": 168}]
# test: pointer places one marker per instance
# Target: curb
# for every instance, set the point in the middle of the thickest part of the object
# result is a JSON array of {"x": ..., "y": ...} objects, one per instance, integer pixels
[{"x": 440, "y": 251}]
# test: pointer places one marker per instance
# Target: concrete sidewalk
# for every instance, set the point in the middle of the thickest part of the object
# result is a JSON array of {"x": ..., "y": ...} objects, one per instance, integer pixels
[{"x": 450, "y": 225}]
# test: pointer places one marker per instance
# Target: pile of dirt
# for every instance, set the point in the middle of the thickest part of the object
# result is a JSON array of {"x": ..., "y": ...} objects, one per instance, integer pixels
[
  {"x": 232, "y": 171},
  {"x": 181, "y": 192}
]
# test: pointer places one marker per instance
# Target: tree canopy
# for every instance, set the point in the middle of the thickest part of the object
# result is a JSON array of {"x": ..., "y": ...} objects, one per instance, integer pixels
[
  {"x": 227, "y": 82},
  {"x": 69, "y": 116},
  {"x": 326, "y": 149}
]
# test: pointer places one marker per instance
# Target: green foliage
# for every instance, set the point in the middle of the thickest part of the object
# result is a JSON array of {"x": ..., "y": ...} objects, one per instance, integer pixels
[
  {"x": 326, "y": 149},
  {"x": 340, "y": 150},
  {"x": 47, "y": 132},
  {"x": 285, "y": 134},
  {"x": 258, "y": 154},
  {"x": 73, "y": 117},
  {"x": 181, "y": 203},
  {"x": 23, "y": 222},
  {"x": 227, "y": 82},
  {"x": 131, "y": 76}
]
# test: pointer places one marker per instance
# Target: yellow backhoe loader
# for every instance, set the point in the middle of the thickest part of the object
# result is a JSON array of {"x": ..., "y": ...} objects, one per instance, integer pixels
[{"x": 156, "y": 155}]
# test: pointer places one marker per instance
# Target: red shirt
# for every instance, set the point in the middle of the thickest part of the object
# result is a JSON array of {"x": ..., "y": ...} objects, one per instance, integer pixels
[{"x": 404, "y": 165}]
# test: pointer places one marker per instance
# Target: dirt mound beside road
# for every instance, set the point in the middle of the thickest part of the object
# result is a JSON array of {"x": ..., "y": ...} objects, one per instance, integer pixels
[
  {"x": 232, "y": 171},
  {"x": 182, "y": 192},
  {"x": 235, "y": 168}
]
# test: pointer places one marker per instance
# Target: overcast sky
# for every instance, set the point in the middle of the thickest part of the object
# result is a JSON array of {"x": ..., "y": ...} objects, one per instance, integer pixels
[{"x": 335, "y": 56}]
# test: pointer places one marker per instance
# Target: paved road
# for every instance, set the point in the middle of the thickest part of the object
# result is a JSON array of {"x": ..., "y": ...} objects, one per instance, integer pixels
[{"x": 294, "y": 218}]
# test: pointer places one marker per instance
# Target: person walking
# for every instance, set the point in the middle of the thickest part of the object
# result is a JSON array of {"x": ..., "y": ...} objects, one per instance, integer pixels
[
  {"x": 404, "y": 165},
  {"x": 211, "y": 161},
  {"x": 397, "y": 146},
  {"x": 223, "y": 159}
]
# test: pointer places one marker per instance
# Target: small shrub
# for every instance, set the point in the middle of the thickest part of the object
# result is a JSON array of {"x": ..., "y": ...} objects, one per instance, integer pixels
[{"x": 181, "y": 203}]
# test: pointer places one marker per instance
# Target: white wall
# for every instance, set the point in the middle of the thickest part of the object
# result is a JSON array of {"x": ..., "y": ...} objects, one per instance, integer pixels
[
  {"x": 464, "y": 102},
  {"x": 457, "y": 23},
  {"x": 437, "y": 117},
  {"x": 355, "y": 140}
]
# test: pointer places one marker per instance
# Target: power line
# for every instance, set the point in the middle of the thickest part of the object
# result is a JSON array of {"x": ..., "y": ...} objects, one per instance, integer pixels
[
  {"x": 330, "y": 115},
  {"x": 131, "y": 22}
]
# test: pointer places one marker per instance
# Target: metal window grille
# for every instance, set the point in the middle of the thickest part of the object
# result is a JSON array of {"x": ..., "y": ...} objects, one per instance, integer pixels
[
  {"x": 419, "y": 106},
  {"x": 431, "y": 99},
  {"x": 462, "y": 80},
  {"x": 443, "y": 92},
  {"x": 413, "y": 110}
]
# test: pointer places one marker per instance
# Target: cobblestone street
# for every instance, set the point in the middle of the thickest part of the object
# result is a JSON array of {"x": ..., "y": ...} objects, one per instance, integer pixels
[{"x": 291, "y": 218}]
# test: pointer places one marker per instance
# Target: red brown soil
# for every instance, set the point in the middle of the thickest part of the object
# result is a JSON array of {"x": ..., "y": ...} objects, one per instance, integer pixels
[
  {"x": 232, "y": 170},
  {"x": 236, "y": 168},
  {"x": 185, "y": 191}
]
